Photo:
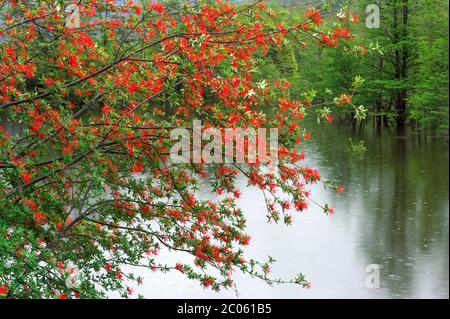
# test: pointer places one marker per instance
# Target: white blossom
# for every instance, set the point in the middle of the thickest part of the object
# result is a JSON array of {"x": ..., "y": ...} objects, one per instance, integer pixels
[
  {"x": 341, "y": 14},
  {"x": 73, "y": 282},
  {"x": 71, "y": 268},
  {"x": 251, "y": 93},
  {"x": 262, "y": 85}
]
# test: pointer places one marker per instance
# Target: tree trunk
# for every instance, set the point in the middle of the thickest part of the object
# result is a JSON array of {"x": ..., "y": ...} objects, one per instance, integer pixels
[{"x": 401, "y": 64}]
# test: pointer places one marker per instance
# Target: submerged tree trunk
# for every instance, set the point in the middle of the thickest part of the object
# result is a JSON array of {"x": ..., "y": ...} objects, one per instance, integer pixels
[{"x": 379, "y": 105}]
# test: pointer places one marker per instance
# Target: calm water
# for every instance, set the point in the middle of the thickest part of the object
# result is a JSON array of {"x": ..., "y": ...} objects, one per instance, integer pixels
[{"x": 394, "y": 213}]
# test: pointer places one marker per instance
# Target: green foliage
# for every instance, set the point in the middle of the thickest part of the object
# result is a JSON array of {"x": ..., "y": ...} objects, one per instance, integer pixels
[
  {"x": 422, "y": 77},
  {"x": 357, "y": 148},
  {"x": 429, "y": 101}
]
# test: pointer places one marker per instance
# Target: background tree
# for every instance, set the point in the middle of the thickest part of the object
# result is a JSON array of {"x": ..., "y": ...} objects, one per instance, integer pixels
[
  {"x": 405, "y": 68},
  {"x": 429, "y": 99}
]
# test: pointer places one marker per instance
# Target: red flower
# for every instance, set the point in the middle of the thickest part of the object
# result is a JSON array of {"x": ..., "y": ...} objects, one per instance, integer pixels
[
  {"x": 40, "y": 218},
  {"x": 106, "y": 109},
  {"x": 281, "y": 28},
  {"x": 245, "y": 240},
  {"x": 355, "y": 18},
  {"x": 130, "y": 291},
  {"x": 314, "y": 15},
  {"x": 26, "y": 177},
  {"x": 340, "y": 189},
  {"x": 300, "y": 205},
  {"x": 60, "y": 264},
  {"x": 85, "y": 39},
  {"x": 285, "y": 204},
  {"x": 161, "y": 26},
  {"x": 137, "y": 167},
  {"x": 49, "y": 82},
  {"x": 73, "y": 61},
  {"x": 344, "y": 99},
  {"x": 68, "y": 150},
  {"x": 207, "y": 282},
  {"x": 307, "y": 136},
  {"x": 234, "y": 119},
  {"x": 326, "y": 39},
  {"x": 132, "y": 88},
  {"x": 341, "y": 32},
  {"x": 62, "y": 296},
  {"x": 4, "y": 290},
  {"x": 179, "y": 267},
  {"x": 158, "y": 7},
  {"x": 10, "y": 53}
]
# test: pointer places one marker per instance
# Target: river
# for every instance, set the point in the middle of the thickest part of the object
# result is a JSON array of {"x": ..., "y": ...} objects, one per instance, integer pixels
[{"x": 394, "y": 214}]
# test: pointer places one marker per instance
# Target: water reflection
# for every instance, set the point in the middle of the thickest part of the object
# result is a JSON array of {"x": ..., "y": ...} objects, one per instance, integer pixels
[{"x": 402, "y": 187}]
